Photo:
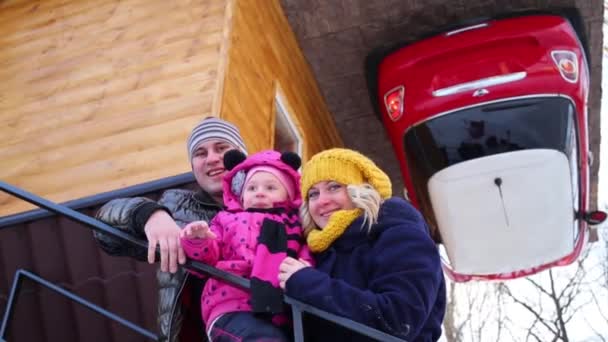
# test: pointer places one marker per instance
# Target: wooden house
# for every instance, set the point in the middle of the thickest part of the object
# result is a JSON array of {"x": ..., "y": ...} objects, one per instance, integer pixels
[
  {"x": 101, "y": 95},
  {"x": 97, "y": 99}
]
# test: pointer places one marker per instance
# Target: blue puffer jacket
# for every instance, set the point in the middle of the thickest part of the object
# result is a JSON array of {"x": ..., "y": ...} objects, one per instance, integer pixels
[{"x": 390, "y": 279}]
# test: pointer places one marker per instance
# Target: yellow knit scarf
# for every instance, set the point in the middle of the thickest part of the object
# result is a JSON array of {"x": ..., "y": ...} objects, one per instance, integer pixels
[{"x": 319, "y": 240}]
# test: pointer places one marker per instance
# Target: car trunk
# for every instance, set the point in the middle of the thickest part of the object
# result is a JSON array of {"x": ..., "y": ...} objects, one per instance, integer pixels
[{"x": 455, "y": 160}]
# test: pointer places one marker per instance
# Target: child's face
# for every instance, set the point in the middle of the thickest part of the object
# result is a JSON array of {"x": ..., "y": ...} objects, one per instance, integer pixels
[{"x": 263, "y": 190}]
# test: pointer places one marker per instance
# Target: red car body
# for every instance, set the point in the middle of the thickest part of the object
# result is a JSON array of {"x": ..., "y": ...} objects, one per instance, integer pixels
[{"x": 479, "y": 91}]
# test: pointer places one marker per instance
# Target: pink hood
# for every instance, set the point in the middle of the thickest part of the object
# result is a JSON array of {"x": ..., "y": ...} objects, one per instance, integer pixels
[{"x": 263, "y": 158}]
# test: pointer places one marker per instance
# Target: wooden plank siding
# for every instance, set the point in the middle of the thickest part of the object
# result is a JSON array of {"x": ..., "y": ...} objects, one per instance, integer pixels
[
  {"x": 264, "y": 55},
  {"x": 97, "y": 95}
]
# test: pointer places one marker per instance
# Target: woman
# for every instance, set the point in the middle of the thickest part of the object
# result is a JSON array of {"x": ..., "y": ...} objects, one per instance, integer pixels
[{"x": 376, "y": 263}]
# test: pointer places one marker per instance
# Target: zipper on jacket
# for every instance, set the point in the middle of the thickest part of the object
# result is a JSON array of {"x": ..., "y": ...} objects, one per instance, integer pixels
[
  {"x": 181, "y": 288},
  {"x": 206, "y": 200}
]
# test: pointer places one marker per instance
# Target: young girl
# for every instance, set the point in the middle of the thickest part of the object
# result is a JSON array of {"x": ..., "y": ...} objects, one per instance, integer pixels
[{"x": 258, "y": 229}]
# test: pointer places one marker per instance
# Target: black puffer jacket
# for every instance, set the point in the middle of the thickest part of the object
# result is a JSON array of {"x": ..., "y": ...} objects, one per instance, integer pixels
[{"x": 131, "y": 215}]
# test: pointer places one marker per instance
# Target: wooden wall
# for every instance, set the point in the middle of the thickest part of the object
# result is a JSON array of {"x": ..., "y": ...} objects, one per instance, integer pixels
[
  {"x": 263, "y": 55},
  {"x": 97, "y": 95}
]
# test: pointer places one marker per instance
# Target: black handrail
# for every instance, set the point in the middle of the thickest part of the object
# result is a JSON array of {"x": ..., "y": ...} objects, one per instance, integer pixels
[
  {"x": 135, "y": 190},
  {"x": 97, "y": 225},
  {"x": 296, "y": 306},
  {"x": 23, "y": 274}
]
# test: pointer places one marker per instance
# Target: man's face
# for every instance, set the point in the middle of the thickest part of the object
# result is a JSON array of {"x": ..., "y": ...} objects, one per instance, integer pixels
[{"x": 208, "y": 165}]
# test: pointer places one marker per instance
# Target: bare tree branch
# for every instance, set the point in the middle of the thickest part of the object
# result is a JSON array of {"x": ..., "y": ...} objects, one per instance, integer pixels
[
  {"x": 481, "y": 326},
  {"x": 553, "y": 302},
  {"x": 558, "y": 308},
  {"x": 449, "y": 322},
  {"x": 597, "y": 304},
  {"x": 531, "y": 310},
  {"x": 499, "y": 315},
  {"x": 531, "y": 331}
]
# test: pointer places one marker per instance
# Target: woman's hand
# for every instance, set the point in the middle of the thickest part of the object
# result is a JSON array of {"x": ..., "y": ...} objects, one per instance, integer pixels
[
  {"x": 288, "y": 267},
  {"x": 197, "y": 230}
]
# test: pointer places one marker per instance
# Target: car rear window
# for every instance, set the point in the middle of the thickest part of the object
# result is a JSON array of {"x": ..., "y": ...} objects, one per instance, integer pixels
[
  {"x": 542, "y": 122},
  {"x": 489, "y": 129}
]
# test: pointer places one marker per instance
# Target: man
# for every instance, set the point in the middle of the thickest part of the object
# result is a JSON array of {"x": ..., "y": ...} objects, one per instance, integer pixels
[{"x": 160, "y": 223}]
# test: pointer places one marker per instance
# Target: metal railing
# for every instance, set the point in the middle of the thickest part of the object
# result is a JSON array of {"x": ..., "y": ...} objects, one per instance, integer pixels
[
  {"x": 297, "y": 307},
  {"x": 22, "y": 275}
]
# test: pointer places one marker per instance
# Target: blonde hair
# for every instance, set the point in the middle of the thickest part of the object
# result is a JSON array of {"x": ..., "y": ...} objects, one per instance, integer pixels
[{"x": 364, "y": 197}]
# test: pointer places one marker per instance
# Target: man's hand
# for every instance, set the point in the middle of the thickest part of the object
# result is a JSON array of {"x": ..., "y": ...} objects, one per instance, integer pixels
[
  {"x": 197, "y": 230},
  {"x": 162, "y": 230},
  {"x": 288, "y": 267}
]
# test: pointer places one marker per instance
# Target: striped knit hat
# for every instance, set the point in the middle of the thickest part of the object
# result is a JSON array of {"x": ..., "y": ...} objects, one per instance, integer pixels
[
  {"x": 347, "y": 167},
  {"x": 214, "y": 128}
]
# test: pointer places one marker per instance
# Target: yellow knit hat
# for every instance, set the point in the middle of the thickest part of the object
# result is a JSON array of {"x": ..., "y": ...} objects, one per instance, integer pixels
[{"x": 347, "y": 167}]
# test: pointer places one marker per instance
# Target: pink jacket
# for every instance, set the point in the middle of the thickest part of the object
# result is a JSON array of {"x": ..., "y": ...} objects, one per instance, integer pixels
[{"x": 237, "y": 249}]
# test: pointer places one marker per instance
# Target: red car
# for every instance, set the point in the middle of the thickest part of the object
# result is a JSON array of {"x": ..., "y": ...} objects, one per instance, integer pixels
[{"x": 489, "y": 124}]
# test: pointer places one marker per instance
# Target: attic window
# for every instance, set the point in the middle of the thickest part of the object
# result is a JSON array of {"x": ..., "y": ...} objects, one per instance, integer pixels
[{"x": 286, "y": 135}]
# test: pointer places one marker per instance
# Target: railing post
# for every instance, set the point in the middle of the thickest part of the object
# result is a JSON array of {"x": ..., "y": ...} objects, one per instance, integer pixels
[
  {"x": 341, "y": 321},
  {"x": 79, "y": 300},
  {"x": 298, "y": 327},
  {"x": 11, "y": 302}
]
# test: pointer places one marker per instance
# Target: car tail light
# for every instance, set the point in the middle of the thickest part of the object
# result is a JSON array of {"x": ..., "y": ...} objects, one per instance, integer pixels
[
  {"x": 595, "y": 217},
  {"x": 393, "y": 100},
  {"x": 567, "y": 64}
]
